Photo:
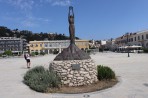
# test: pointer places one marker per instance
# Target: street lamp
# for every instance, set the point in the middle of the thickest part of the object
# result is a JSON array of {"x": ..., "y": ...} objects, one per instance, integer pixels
[
  {"x": 128, "y": 52},
  {"x": 128, "y": 45}
]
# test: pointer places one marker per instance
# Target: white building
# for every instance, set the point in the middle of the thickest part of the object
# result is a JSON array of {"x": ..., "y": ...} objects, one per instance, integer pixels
[
  {"x": 133, "y": 39},
  {"x": 139, "y": 39},
  {"x": 16, "y": 45}
]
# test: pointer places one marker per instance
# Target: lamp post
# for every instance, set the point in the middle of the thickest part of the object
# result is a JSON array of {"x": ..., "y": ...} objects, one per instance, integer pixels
[
  {"x": 128, "y": 52},
  {"x": 128, "y": 45}
]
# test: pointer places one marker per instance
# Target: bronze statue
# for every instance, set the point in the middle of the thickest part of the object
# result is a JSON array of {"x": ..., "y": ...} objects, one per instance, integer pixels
[
  {"x": 72, "y": 52},
  {"x": 71, "y": 25}
]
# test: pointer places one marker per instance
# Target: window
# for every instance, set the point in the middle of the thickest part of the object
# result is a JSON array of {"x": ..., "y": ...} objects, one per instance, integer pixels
[
  {"x": 138, "y": 37},
  {"x": 131, "y": 39},
  {"x": 147, "y": 45},
  {"x": 142, "y": 37},
  {"x": 45, "y": 45},
  {"x": 135, "y": 38},
  {"x": 40, "y": 45},
  {"x": 146, "y": 36}
]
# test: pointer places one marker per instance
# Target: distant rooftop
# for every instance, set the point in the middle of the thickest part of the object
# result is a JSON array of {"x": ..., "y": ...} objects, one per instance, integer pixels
[
  {"x": 143, "y": 31},
  {"x": 9, "y": 38}
]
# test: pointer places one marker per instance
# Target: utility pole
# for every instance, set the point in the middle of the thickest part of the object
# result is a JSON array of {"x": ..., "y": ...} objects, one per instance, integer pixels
[{"x": 128, "y": 45}]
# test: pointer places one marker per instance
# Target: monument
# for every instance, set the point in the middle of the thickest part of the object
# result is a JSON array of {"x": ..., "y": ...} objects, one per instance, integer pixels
[
  {"x": 72, "y": 52},
  {"x": 74, "y": 66}
]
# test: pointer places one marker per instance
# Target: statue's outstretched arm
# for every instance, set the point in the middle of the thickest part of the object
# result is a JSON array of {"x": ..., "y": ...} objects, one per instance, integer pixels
[{"x": 71, "y": 13}]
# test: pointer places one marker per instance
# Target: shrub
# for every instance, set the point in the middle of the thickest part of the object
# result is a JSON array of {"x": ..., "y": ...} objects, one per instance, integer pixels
[
  {"x": 88, "y": 51},
  {"x": 42, "y": 53},
  {"x": 1, "y": 55},
  {"x": 145, "y": 50},
  {"x": 36, "y": 53},
  {"x": 8, "y": 52},
  {"x": 55, "y": 51},
  {"x": 32, "y": 53},
  {"x": 41, "y": 80},
  {"x": 105, "y": 73}
]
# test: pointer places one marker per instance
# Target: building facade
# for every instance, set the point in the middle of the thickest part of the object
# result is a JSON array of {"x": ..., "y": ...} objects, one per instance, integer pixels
[
  {"x": 110, "y": 45},
  {"x": 133, "y": 39},
  {"x": 139, "y": 39},
  {"x": 59, "y": 45},
  {"x": 16, "y": 45}
]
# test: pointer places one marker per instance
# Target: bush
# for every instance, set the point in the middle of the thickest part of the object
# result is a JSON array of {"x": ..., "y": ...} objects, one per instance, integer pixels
[
  {"x": 36, "y": 53},
  {"x": 41, "y": 80},
  {"x": 55, "y": 51},
  {"x": 87, "y": 51},
  {"x": 42, "y": 53},
  {"x": 105, "y": 73},
  {"x": 145, "y": 50},
  {"x": 8, "y": 52},
  {"x": 32, "y": 53},
  {"x": 1, "y": 55}
]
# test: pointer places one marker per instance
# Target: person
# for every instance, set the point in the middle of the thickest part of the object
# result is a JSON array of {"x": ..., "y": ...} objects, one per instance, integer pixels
[{"x": 27, "y": 57}]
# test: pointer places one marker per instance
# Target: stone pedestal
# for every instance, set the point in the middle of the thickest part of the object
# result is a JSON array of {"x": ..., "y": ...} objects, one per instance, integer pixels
[{"x": 75, "y": 72}]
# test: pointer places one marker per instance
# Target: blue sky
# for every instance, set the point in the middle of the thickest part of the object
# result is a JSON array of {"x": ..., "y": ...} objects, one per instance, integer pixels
[{"x": 94, "y": 19}]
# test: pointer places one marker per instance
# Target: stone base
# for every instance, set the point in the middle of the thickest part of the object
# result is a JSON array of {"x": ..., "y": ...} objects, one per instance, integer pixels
[{"x": 84, "y": 75}]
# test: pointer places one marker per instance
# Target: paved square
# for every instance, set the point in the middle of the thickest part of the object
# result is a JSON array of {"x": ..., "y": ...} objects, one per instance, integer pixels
[{"x": 132, "y": 73}]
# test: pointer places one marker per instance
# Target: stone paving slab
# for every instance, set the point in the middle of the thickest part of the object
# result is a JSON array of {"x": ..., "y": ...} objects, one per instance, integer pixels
[{"x": 132, "y": 73}]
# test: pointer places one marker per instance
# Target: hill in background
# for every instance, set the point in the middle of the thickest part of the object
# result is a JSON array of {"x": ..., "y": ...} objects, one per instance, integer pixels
[{"x": 30, "y": 36}]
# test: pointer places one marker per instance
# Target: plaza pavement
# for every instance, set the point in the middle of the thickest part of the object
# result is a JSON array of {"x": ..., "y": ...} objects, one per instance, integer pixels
[{"x": 132, "y": 73}]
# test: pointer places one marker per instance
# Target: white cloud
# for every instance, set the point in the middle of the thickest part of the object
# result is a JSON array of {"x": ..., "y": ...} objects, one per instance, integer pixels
[
  {"x": 27, "y": 23},
  {"x": 25, "y": 6},
  {"x": 61, "y": 2},
  {"x": 29, "y": 4},
  {"x": 31, "y": 21},
  {"x": 21, "y": 4},
  {"x": 57, "y": 2}
]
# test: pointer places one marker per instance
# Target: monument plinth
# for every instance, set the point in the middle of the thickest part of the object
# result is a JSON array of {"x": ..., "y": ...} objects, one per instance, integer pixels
[{"x": 74, "y": 66}]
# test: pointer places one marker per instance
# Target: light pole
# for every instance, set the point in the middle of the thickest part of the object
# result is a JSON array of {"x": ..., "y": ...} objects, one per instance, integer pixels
[
  {"x": 128, "y": 45},
  {"x": 128, "y": 52}
]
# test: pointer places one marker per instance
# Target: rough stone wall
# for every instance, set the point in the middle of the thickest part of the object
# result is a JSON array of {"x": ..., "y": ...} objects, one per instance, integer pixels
[{"x": 86, "y": 75}]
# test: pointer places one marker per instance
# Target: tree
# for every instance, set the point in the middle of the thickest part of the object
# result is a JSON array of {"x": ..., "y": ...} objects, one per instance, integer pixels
[{"x": 30, "y": 36}]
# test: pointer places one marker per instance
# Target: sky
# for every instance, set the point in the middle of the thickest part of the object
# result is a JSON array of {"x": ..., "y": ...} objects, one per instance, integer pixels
[{"x": 94, "y": 19}]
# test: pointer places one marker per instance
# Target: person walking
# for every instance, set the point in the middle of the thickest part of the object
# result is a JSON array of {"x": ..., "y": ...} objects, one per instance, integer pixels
[{"x": 27, "y": 57}]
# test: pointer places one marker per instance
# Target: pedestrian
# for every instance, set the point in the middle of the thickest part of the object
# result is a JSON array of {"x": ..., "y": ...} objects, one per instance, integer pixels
[{"x": 27, "y": 57}]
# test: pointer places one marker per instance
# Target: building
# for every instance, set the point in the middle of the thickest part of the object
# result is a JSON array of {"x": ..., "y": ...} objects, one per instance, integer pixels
[
  {"x": 49, "y": 46},
  {"x": 139, "y": 38},
  {"x": 82, "y": 44},
  {"x": 16, "y": 45},
  {"x": 110, "y": 45},
  {"x": 35, "y": 46}
]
